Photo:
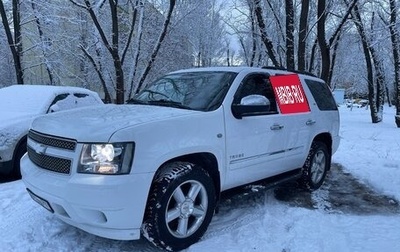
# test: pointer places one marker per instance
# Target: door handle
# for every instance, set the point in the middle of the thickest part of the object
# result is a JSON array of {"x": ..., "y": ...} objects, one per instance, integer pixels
[
  {"x": 310, "y": 122},
  {"x": 276, "y": 127}
]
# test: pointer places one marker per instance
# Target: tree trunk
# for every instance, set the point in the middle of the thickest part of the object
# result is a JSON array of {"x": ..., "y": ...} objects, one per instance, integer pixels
[
  {"x": 312, "y": 57},
  {"x": 113, "y": 46},
  {"x": 370, "y": 78},
  {"x": 335, "y": 38},
  {"x": 253, "y": 35},
  {"x": 333, "y": 61},
  {"x": 394, "y": 37},
  {"x": 267, "y": 42},
  {"x": 379, "y": 75},
  {"x": 107, "y": 96},
  {"x": 15, "y": 43},
  {"x": 114, "y": 50},
  {"x": 323, "y": 45},
  {"x": 289, "y": 35},
  {"x": 303, "y": 28},
  {"x": 137, "y": 45},
  {"x": 228, "y": 63}
]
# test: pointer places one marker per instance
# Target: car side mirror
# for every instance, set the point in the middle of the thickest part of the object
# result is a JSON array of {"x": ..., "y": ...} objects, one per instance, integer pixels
[
  {"x": 255, "y": 100},
  {"x": 251, "y": 105}
]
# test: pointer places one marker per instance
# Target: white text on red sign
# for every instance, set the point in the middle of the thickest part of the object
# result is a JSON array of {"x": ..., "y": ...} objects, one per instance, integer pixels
[{"x": 289, "y": 94}]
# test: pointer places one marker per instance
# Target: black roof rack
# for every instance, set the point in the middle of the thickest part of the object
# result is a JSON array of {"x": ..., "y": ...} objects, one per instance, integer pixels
[{"x": 285, "y": 69}]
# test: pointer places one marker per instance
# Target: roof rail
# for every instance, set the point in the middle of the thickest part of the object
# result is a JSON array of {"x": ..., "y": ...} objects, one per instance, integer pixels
[{"x": 285, "y": 69}]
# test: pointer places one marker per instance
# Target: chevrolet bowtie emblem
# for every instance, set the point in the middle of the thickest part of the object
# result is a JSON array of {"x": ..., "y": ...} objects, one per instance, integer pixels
[{"x": 41, "y": 149}]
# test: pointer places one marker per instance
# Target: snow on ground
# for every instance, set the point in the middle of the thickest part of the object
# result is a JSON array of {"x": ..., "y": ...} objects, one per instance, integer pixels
[
  {"x": 368, "y": 151},
  {"x": 371, "y": 151}
]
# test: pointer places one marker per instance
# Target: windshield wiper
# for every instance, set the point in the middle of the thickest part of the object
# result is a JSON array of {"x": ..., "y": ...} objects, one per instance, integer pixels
[
  {"x": 135, "y": 101},
  {"x": 169, "y": 103}
]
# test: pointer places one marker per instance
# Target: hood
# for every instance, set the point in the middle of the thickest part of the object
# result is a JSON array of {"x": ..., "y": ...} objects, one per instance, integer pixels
[
  {"x": 98, "y": 123},
  {"x": 9, "y": 119}
]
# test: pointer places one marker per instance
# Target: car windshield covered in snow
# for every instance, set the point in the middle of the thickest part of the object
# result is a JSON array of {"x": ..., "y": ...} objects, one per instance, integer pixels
[{"x": 202, "y": 91}]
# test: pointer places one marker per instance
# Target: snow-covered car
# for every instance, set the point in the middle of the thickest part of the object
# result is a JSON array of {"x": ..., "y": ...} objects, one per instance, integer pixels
[
  {"x": 353, "y": 105},
  {"x": 157, "y": 166},
  {"x": 356, "y": 103},
  {"x": 20, "y": 104}
]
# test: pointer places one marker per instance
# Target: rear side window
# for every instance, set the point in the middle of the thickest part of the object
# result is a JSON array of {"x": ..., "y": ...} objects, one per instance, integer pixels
[{"x": 322, "y": 95}]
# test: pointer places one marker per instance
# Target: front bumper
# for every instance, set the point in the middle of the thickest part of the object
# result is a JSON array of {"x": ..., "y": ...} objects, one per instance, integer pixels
[{"x": 110, "y": 206}]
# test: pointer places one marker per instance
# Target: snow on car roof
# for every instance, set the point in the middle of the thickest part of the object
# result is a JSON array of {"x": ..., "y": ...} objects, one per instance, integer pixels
[
  {"x": 44, "y": 88},
  {"x": 32, "y": 99}
]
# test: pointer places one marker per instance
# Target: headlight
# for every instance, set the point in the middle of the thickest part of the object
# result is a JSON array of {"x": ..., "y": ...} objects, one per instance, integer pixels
[{"x": 107, "y": 158}]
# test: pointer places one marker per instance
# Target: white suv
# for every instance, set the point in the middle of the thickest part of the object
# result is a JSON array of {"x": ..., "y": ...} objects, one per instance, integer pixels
[{"x": 157, "y": 165}]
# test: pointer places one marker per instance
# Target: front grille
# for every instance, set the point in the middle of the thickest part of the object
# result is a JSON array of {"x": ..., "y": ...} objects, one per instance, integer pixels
[
  {"x": 54, "y": 164},
  {"x": 62, "y": 143}
]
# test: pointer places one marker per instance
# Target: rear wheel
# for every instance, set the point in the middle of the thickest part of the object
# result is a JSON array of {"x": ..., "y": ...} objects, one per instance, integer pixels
[
  {"x": 316, "y": 166},
  {"x": 180, "y": 206}
]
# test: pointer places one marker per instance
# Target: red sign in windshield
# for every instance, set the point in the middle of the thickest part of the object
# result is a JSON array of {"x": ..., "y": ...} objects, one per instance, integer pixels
[{"x": 289, "y": 94}]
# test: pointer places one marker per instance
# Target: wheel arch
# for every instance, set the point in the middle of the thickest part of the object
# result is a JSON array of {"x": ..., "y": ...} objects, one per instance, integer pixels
[
  {"x": 20, "y": 143},
  {"x": 325, "y": 138},
  {"x": 16, "y": 155},
  {"x": 207, "y": 161}
]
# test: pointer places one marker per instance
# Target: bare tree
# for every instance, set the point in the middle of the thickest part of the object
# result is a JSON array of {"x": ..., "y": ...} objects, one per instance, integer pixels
[
  {"x": 14, "y": 42},
  {"x": 244, "y": 25},
  {"x": 323, "y": 45},
  {"x": 264, "y": 36},
  {"x": 253, "y": 34},
  {"x": 394, "y": 37},
  {"x": 368, "y": 60},
  {"x": 158, "y": 45},
  {"x": 112, "y": 45},
  {"x": 44, "y": 43},
  {"x": 138, "y": 14},
  {"x": 379, "y": 73},
  {"x": 207, "y": 33}
]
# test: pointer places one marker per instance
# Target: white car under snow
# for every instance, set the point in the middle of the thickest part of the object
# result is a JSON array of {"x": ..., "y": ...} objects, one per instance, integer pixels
[{"x": 20, "y": 104}]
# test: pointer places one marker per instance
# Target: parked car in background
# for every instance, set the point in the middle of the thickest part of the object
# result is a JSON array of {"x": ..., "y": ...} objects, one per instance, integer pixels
[
  {"x": 352, "y": 104},
  {"x": 357, "y": 103},
  {"x": 20, "y": 104}
]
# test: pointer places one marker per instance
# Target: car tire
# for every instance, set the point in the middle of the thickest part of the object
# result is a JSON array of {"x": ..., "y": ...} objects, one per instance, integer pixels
[
  {"x": 180, "y": 206},
  {"x": 16, "y": 171},
  {"x": 316, "y": 166}
]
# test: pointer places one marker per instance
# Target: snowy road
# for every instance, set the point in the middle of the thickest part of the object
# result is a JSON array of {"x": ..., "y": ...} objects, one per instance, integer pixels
[{"x": 252, "y": 219}]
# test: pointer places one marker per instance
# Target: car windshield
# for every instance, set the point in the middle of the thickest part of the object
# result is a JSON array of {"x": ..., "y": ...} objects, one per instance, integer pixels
[{"x": 189, "y": 90}]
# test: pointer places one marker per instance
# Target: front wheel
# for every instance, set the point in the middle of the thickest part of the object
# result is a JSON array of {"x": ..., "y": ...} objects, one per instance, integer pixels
[
  {"x": 180, "y": 206},
  {"x": 316, "y": 166}
]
